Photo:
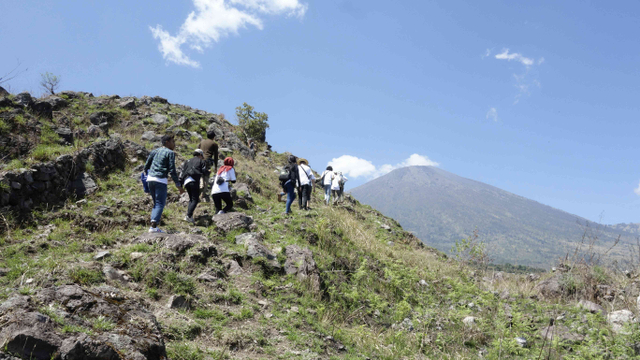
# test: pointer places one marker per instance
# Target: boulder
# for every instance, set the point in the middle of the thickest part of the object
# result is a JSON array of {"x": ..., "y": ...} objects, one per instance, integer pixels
[
  {"x": 103, "y": 211},
  {"x": 560, "y": 333},
  {"x": 159, "y": 99},
  {"x": 135, "y": 150},
  {"x": 159, "y": 119},
  {"x": 301, "y": 264},
  {"x": 232, "y": 221},
  {"x": 256, "y": 249},
  {"x": 469, "y": 321},
  {"x": 3, "y": 92},
  {"x": 24, "y": 99},
  {"x": 618, "y": 319},
  {"x": 96, "y": 131},
  {"x": 72, "y": 94},
  {"x": 83, "y": 185},
  {"x": 100, "y": 117},
  {"x": 56, "y": 102},
  {"x": 65, "y": 134},
  {"x": 28, "y": 332},
  {"x": 178, "y": 302},
  {"x": 591, "y": 307},
  {"x": 128, "y": 104},
  {"x": 150, "y": 136},
  {"x": 550, "y": 287},
  {"x": 234, "y": 269},
  {"x": 178, "y": 243},
  {"x": 101, "y": 255},
  {"x": 111, "y": 274},
  {"x": 42, "y": 108}
]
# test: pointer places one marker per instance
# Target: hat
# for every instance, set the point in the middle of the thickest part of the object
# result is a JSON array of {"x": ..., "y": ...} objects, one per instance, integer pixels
[{"x": 303, "y": 161}]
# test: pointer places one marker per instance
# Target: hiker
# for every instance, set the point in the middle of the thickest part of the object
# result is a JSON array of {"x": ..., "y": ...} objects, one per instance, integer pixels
[
  {"x": 326, "y": 178},
  {"x": 306, "y": 184},
  {"x": 221, "y": 189},
  {"x": 192, "y": 171},
  {"x": 289, "y": 180},
  {"x": 210, "y": 149},
  {"x": 160, "y": 164},
  {"x": 335, "y": 187},
  {"x": 343, "y": 179}
]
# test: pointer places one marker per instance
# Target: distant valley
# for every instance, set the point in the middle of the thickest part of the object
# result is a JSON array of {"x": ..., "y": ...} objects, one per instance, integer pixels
[{"x": 441, "y": 207}]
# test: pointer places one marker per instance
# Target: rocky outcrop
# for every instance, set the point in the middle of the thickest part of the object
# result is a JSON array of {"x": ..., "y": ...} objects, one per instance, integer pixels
[
  {"x": 71, "y": 322},
  {"x": 619, "y": 319},
  {"x": 232, "y": 221},
  {"x": 301, "y": 264},
  {"x": 256, "y": 249},
  {"x": 54, "y": 181},
  {"x": 550, "y": 288}
]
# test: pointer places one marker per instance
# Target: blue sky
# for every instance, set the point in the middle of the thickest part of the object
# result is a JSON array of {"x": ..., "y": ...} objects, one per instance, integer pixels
[{"x": 537, "y": 98}]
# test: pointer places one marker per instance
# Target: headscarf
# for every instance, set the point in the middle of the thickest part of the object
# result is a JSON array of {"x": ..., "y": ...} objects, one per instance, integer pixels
[{"x": 228, "y": 165}]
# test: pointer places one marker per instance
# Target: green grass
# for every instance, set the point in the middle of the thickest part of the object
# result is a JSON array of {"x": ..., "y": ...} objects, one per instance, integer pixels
[
  {"x": 102, "y": 323},
  {"x": 85, "y": 276}
]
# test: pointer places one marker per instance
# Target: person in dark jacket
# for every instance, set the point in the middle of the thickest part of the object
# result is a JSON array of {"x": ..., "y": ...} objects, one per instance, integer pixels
[
  {"x": 192, "y": 171},
  {"x": 289, "y": 186},
  {"x": 160, "y": 164},
  {"x": 210, "y": 149}
]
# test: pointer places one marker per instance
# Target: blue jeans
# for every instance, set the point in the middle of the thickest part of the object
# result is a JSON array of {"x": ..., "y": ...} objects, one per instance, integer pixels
[
  {"x": 159, "y": 196},
  {"x": 291, "y": 195},
  {"x": 327, "y": 193}
]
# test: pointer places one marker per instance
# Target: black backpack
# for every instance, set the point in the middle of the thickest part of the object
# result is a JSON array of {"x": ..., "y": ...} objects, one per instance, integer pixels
[{"x": 285, "y": 174}]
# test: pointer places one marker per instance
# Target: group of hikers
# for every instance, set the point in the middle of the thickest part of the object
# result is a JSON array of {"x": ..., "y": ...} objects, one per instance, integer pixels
[
  {"x": 160, "y": 165},
  {"x": 298, "y": 175}
]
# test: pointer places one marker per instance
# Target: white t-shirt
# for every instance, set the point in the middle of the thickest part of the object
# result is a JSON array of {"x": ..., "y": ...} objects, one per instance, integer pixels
[
  {"x": 335, "y": 184},
  {"x": 158, "y": 180},
  {"x": 188, "y": 180},
  {"x": 306, "y": 175},
  {"x": 227, "y": 176},
  {"x": 328, "y": 174}
]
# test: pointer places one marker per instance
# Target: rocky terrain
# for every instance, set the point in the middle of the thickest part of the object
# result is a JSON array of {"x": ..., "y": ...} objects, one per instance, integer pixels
[{"x": 80, "y": 278}]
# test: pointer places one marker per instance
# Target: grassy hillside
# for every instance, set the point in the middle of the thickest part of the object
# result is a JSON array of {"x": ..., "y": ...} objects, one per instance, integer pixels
[
  {"x": 442, "y": 208},
  {"x": 381, "y": 294}
]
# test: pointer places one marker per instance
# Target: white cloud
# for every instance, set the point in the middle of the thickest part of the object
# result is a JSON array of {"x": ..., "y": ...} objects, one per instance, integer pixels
[
  {"x": 515, "y": 56},
  {"x": 355, "y": 167},
  {"x": 637, "y": 190},
  {"x": 492, "y": 114},
  {"x": 213, "y": 20}
]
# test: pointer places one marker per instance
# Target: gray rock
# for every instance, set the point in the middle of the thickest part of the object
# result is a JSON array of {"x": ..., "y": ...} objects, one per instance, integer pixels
[
  {"x": 232, "y": 221},
  {"x": 591, "y": 307},
  {"x": 234, "y": 269},
  {"x": 42, "y": 108},
  {"x": 128, "y": 104},
  {"x": 84, "y": 185},
  {"x": 4, "y": 272},
  {"x": 159, "y": 119},
  {"x": 252, "y": 236},
  {"x": 96, "y": 131},
  {"x": 469, "y": 321},
  {"x": 618, "y": 320},
  {"x": 136, "y": 255},
  {"x": 522, "y": 342},
  {"x": 65, "y": 134},
  {"x": 112, "y": 274},
  {"x": 300, "y": 263},
  {"x": 178, "y": 302},
  {"x": 103, "y": 211},
  {"x": 56, "y": 102},
  {"x": 24, "y": 99},
  {"x": 100, "y": 117},
  {"x": 533, "y": 277},
  {"x": 3, "y": 92},
  {"x": 178, "y": 243},
  {"x": 101, "y": 255},
  {"x": 150, "y": 136},
  {"x": 256, "y": 249},
  {"x": 207, "y": 277},
  {"x": 550, "y": 287},
  {"x": 560, "y": 333}
]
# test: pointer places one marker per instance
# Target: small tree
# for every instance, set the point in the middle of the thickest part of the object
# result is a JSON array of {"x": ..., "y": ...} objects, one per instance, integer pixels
[
  {"x": 50, "y": 82},
  {"x": 254, "y": 124}
]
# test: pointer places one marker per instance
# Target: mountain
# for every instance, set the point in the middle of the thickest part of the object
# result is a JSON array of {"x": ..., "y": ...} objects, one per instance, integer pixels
[{"x": 441, "y": 207}]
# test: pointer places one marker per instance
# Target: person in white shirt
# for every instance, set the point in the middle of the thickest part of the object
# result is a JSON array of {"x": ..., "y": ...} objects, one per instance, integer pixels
[
  {"x": 327, "y": 178},
  {"x": 342, "y": 181},
  {"x": 305, "y": 184},
  {"x": 335, "y": 186},
  {"x": 220, "y": 189}
]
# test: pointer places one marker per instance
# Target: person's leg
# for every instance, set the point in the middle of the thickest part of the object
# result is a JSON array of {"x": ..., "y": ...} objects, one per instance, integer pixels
[
  {"x": 300, "y": 189},
  {"x": 160, "y": 202},
  {"x": 152, "y": 192},
  {"x": 205, "y": 187},
  {"x": 291, "y": 196},
  {"x": 334, "y": 193},
  {"x": 193, "y": 189},
  {"x": 228, "y": 201},
  {"x": 327, "y": 193},
  {"x": 306, "y": 190},
  {"x": 217, "y": 201}
]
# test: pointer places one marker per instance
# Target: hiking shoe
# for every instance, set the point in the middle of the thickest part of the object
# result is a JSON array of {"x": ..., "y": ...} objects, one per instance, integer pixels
[
  {"x": 189, "y": 220},
  {"x": 221, "y": 212},
  {"x": 155, "y": 230}
]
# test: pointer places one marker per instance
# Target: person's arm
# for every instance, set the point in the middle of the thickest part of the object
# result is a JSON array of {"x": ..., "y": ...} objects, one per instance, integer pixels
[
  {"x": 172, "y": 170},
  {"x": 147, "y": 165},
  {"x": 232, "y": 176},
  {"x": 204, "y": 170},
  {"x": 215, "y": 157}
]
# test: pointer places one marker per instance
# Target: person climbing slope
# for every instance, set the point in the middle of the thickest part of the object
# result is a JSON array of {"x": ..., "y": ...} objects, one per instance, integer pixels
[
  {"x": 289, "y": 179},
  {"x": 192, "y": 171},
  {"x": 343, "y": 179},
  {"x": 210, "y": 149},
  {"x": 221, "y": 189},
  {"x": 306, "y": 184},
  {"x": 326, "y": 178},
  {"x": 160, "y": 164},
  {"x": 335, "y": 186}
]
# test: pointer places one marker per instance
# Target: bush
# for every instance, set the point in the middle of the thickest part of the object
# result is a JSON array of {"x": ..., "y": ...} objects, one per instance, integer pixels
[{"x": 254, "y": 124}]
